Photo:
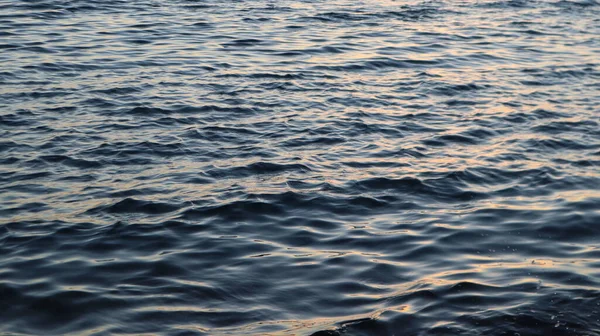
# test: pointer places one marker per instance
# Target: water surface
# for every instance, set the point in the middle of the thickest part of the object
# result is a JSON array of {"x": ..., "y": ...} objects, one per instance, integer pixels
[{"x": 303, "y": 167}]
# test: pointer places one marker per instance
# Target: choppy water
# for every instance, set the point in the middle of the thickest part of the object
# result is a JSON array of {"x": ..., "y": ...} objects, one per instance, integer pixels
[{"x": 300, "y": 167}]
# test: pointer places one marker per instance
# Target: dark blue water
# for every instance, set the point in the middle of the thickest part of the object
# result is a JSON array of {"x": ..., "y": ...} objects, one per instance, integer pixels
[{"x": 310, "y": 167}]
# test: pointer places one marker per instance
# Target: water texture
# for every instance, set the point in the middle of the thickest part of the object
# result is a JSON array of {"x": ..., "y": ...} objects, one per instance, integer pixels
[{"x": 305, "y": 167}]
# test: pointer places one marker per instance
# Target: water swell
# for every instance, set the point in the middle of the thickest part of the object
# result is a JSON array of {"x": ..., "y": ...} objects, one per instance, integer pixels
[{"x": 299, "y": 168}]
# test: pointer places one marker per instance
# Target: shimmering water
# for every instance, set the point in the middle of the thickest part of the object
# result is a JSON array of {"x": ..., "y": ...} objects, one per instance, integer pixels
[{"x": 299, "y": 167}]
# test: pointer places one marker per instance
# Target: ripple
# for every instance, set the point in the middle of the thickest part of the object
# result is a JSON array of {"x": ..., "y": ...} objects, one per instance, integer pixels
[{"x": 299, "y": 168}]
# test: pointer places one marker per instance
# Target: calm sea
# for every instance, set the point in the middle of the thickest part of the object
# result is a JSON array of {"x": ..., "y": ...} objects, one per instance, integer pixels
[{"x": 300, "y": 167}]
